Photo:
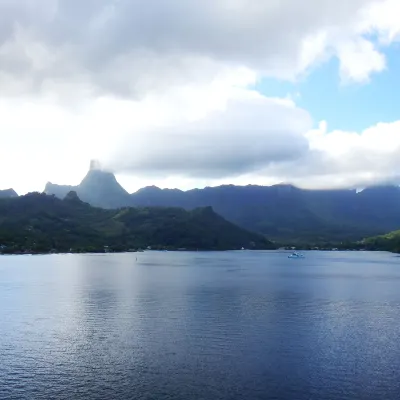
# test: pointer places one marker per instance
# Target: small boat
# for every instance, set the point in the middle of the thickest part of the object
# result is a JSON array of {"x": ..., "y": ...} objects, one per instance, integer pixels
[{"x": 296, "y": 255}]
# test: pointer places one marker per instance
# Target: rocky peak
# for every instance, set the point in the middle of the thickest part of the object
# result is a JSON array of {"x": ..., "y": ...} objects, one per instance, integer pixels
[
  {"x": 72, "y": 196},
  {"x": 8, "y": 193}
]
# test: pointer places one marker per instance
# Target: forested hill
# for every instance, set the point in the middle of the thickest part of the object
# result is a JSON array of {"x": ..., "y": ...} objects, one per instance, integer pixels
[
  {"x": 281, "y": 212},
  {"x": 42, "y": 223},
  {"x": 388, "y": 242},
  {"x": 289, "y": 214}
]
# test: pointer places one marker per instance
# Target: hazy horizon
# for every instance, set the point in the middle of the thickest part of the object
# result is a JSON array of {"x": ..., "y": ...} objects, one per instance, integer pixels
[{"x": 95, "y": 165}]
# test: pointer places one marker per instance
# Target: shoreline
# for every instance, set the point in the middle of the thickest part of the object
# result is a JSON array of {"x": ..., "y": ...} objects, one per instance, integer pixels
[{"x": 283, "y": 251}]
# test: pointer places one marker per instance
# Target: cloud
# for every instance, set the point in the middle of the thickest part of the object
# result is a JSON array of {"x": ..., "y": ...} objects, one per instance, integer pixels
[
  {"x": 249, "y": 131},
  {"x": 340, "y": 159},
  {"x": 358, "y": 59},
  {"x": 244, "y": 137},
  {"x": 42, "y": 141},
  {"x": 359, "y": 158},
  {"x": 133, "y": 47},
  {"x": 182, "y": 140},
  {"x": 262, "y": 141},
  {"x": 165, "y": 89}
]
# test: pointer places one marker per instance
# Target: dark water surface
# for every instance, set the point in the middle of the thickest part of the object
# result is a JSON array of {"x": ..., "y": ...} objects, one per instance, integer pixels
[{"x": 233, "y": 325}]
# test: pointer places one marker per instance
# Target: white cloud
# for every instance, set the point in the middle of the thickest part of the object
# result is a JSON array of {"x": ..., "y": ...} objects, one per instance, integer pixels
[
  {"x": 358, "y": 59},
  {"x": 344, "y": 159},
  {"x": 206, "y": 132},
  {"x": 130, "y": 47},
  {"x": 240, "y": 137},
  {"x": 41, "y": 141},
  {"x": 382, "y": 19},
  {"x": 164, "y": 89},
  {"x": 331, "y": 159},
  {"x": 248, "y": 132}
]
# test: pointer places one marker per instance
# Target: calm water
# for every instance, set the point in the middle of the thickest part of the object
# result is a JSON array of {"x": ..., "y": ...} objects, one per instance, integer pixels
[{"x": 234, "y": 325}]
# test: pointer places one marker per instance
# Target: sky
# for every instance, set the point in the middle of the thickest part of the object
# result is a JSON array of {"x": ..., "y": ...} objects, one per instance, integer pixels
[{"x": 199, "y": 93}]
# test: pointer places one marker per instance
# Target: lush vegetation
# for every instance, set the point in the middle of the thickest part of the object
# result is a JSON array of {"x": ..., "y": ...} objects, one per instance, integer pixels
[
  {"x": 282, "y": 212},
  {"x": 43, "y": 223},
  {"x": 287, "y": 214},
  {"x": 388, "y": 242}
]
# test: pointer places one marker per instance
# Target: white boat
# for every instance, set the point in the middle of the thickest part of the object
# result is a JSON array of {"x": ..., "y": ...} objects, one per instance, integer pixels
[{"x": 296, "y": 255}]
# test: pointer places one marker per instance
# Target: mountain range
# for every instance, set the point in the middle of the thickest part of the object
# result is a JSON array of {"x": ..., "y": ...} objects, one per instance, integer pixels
[
  {"x": 287, "y": 213},
  {"x": 39, "y": 223},
  {"x": 98, "y": 188},
  {"x": 281, "y": 212}
]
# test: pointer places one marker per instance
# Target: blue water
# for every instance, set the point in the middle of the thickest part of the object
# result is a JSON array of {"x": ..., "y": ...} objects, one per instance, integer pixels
[{"x": 233, "y": 325}]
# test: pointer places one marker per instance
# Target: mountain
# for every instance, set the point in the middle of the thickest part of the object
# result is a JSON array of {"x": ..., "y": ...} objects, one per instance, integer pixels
[
  {"x": 8, "y": 193},
  {"x": 99, "y": 188},
  {"x": 41, "y": 223},
  {"x": 286, "y": 213},
  {"x": 59, "y": 191},
  {"x": 280, "y": 212}
]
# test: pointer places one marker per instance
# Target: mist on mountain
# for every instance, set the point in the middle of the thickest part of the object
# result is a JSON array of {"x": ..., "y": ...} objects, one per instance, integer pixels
[{"x": 281, "y": 212}]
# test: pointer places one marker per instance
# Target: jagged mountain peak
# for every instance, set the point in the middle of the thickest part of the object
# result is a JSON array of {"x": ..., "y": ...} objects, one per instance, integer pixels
[
  {"x": 98, "y": 175},
  {"x": 280, "y": 212},
  {"x": 99, "y": 188},
  {"x": 8, "y": 193},
  {"x": 72, "y": 196}
]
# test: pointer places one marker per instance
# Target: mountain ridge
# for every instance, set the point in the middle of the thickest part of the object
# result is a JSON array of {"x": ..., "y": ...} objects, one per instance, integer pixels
[
  {"x": 38, "y": 222},
  {"x": 8, "y": 193},
  {"x": 281, "y": 212},
  {"x": 284, "y": 212},
  {"x": 99, "y": 188}
]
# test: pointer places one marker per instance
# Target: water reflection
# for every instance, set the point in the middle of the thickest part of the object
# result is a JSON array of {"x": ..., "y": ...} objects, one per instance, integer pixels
[{"x": 228, "y": 325}]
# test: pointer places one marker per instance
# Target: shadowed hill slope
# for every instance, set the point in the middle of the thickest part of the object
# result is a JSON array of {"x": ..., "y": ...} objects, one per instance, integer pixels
[
  {"x": 281, "y": 212},
  {"x": 40, "y": 222}
]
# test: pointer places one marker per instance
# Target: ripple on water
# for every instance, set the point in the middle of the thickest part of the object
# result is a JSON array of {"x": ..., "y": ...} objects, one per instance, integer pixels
[{"x": 217, "y": 326}]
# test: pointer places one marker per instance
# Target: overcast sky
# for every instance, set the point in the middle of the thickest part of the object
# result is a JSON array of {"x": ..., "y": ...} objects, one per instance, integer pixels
[{"x": 188, "y": 93}]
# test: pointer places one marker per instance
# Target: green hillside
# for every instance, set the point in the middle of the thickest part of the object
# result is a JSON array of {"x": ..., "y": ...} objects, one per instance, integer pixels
[
  {"x": 283, "y": 213},
  {"x": 388, "y": 242},
  {"x": 42, "y": 223}
]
